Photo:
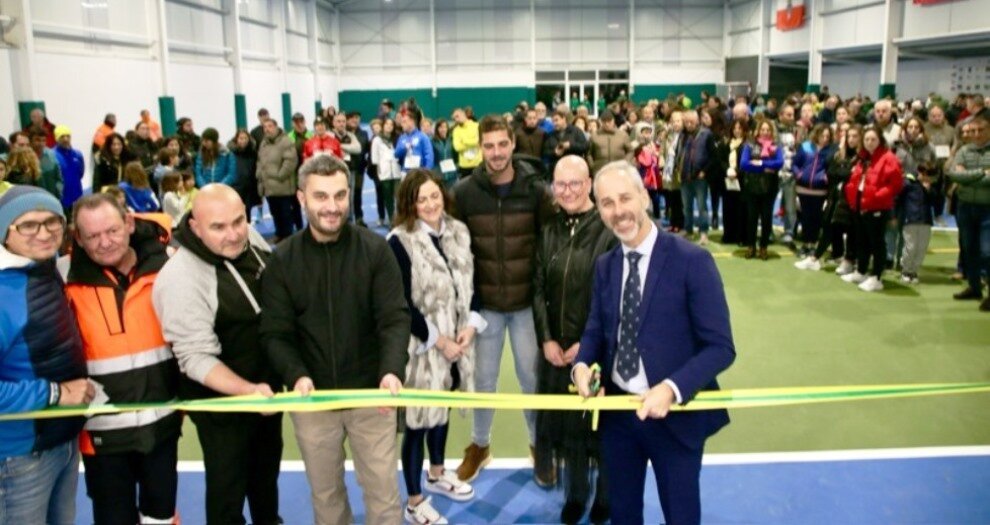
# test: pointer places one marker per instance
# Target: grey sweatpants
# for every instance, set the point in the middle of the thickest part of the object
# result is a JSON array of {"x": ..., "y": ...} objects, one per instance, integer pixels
[{"x": 916, "y": 238}]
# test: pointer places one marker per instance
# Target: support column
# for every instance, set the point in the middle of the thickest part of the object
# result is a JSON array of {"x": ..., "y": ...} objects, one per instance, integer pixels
[
  {"x": 763, "y": 63},
  {"x": 312, "y": 30},
  {"x": 166, "y": 103},
  {"x": 282, "y": 28},
  {"x": 22, "y": 69},
  {"x": 232, "y": 28},
  {"x": 433, "y": 50},
  {"x": 814, "y": 9},
  {"x": 632, "y": 44},
  {"x": 893, "y": 26}
]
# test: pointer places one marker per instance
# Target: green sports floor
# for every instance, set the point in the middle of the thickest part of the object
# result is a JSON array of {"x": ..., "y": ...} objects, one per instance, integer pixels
[{"x": 796, "y": 328}]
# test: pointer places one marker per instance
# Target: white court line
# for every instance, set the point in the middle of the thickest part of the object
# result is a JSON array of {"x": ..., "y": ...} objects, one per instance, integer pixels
[{"x": 716, "y": 459}]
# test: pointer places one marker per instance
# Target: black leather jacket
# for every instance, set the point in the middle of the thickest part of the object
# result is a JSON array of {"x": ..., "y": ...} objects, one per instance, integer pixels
[{"x": 565, "y": 265}]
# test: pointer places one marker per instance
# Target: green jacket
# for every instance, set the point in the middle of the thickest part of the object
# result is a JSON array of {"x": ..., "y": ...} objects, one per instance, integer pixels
[{"x": 974, "y": 178}]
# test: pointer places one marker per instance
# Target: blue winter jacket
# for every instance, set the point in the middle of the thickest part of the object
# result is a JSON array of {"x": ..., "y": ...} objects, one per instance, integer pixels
[
  {"x": 224, "y": 170},
  {"x": 808, "y": 165},
  {"x": 40, "y": 346},
  {"x": 415, "y": 143},
  {"x": 141, "y": 200},
  {"x": 73, "y": 167}
]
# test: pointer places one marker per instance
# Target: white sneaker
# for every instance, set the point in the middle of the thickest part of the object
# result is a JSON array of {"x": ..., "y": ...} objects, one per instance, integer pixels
[
  {"x": 450, "y": 486},
  {"x": 424, "y": 514},
  {"x": 845, "y": 268},
  {"x": 809, "y": 263},
  {"x": 854, "y": 277},
  {"x": 872, "y": 284}
]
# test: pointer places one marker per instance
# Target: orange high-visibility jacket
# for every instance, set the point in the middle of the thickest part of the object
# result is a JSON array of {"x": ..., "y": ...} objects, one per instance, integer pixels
[{"x": 125, "y": 350}]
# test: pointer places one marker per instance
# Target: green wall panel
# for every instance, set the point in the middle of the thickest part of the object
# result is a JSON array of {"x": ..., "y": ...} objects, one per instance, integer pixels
[
  {"x": 644, "y": 92},
  {"x": 24, "y": 109},
  {"x": 166, "y": 108},
  {"x": 482, "y": 100},
  {"x": 240, "y": 111}
]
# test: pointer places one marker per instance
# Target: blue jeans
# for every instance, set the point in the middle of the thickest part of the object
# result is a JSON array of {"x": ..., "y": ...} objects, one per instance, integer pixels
[
  {"x": 692, "y": 192},
  {"x": 40, "y": 487},
  {"x": 488, "y": 361},
  {"x": 788, "y": 200},
  {"x": 974, "y": 237}
]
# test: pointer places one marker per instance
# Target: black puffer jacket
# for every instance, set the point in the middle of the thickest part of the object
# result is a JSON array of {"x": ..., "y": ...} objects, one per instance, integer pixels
[
  {"x": 503, "y": 233},
  {"x": 838, "y": 170},
  {"x": 565, "y": 264}
]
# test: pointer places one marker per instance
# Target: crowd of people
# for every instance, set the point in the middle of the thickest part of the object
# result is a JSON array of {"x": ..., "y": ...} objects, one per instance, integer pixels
[{"x": 546, "y": 225}]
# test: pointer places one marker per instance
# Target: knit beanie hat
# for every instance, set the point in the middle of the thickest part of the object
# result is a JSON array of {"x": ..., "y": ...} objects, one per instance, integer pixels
[
  {"x": 19, "y": 200},
  {"x": 212, "y": 135},
  {"x": 61, "y": 130}
]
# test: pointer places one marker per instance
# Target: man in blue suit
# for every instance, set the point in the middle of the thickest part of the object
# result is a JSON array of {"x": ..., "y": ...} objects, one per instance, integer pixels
[{"x": 659, "y": 328}]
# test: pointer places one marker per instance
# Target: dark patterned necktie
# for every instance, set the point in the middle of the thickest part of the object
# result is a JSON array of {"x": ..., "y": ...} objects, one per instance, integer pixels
[{"x": 627, "y": 358}]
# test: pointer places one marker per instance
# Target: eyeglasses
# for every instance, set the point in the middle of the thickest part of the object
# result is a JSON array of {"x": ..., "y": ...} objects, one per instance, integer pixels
[
  {"x": 560, "y": 186},
  {"x": 53, "y": 224}
]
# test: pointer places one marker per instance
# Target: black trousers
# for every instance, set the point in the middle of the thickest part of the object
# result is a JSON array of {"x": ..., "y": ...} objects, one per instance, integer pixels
[
  {"x": 675, "y": 208},
  {"x": 242, "y": 453},
  {"x": 123, "y": 485},
  {"x": 733, "y": 218},
  {"x": 870, "y": 228},
  {"x": 373, "y": 174},
  {"x": 356, "y": 192},
  {"x": 810, "y": 215},
  {"x": 286, "y": 214},
  {"x": 759, "y": 209}
]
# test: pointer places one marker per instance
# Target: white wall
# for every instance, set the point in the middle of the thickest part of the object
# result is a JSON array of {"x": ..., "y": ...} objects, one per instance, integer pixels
[
  {"x": 915, "y": 78},
  {"x": 947, "y": 17},
  {"x": 9, "y": 119}
]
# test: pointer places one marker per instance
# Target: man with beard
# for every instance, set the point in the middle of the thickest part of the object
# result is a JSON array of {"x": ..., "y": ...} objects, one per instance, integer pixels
[
  {"x": 670, "y": 339},
  {"x": 344, "y": 326},
  {"x": 359, "y": 163},
  {"x": 529, "y": 136},
  {"x": 206, "y": 298},
  {"x": 503, "y": 204},
  {"x": 790, "y": 137},
  {"x": 566, "y": 139}
]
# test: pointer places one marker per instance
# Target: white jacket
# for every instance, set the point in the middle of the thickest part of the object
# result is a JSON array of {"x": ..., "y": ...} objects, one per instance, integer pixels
[{"x": 383, "y": 156}]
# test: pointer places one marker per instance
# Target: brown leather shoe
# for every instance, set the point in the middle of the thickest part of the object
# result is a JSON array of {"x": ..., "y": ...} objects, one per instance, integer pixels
[
  {"x": 475, "y": 459},
  {"x": 750, "y": 253},
  {"x": 985, "y": 305},
  {"x": 763, "y": 254}
]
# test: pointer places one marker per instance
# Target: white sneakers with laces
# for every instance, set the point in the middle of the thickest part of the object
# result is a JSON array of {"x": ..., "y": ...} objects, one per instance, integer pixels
[
  {"x": 845, "y": 268},
  {"x": 450, "y": 486},
  {"x": 854, "y": 277},
  {"x": 871, "y": 284},
  {"x": 424, "y": 514},
  {"x": 809, "y": 263}
]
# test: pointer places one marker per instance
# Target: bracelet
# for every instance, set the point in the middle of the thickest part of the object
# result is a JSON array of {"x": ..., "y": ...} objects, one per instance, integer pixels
[{"x": 54, "y": 393}]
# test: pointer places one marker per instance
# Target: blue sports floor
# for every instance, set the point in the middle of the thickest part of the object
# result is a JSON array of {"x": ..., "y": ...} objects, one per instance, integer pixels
[{"x": 942, "y": 486}]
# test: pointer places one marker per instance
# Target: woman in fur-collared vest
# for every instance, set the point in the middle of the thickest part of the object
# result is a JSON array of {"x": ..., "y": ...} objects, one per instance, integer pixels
[{"x": 434, "y": 252}]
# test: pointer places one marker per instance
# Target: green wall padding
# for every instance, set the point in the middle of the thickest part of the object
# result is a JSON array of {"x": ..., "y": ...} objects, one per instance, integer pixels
[
  {"x": 644, "y": 92},
  {"x": 814, "y": 88},
  {"x": 166, "y": 110},
  {"x": 240, "y": 111},
  {"x": 318, "y": 108},
  {"x": 24, "y": 109},
  {"x": 286, "y": 123},
  {"x": 886, "y": 90},
  {"x": 482, "y": 100}
]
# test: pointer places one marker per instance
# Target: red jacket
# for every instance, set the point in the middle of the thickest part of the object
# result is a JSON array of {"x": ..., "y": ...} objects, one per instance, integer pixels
[
  {"x": 884, "y": 179},
  {"x": 326, "y": 143}
]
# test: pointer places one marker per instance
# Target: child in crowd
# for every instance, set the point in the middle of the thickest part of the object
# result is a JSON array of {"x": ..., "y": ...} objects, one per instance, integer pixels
[
  {"x": 4, "y": 185},
  {"x": 117, "y": 194},
  {"x": 648, "y": 163},
  {"x": 189, "y": 186},
  {"x": 167, "y": 159},
  {"x": 137, "y": 190},
  {"x": 174, "y": 197}
]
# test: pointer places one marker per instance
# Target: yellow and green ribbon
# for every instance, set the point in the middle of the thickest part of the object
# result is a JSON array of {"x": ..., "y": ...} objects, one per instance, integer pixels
[{"x": 347, "y": 399}]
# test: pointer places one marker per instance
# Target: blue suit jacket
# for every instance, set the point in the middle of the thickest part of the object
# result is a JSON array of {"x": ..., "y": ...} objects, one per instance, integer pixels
[{"x": 684, "y": 333}]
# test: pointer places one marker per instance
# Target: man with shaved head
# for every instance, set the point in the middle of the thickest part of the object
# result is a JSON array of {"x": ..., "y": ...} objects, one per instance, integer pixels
[
  {"x": 207, "y": 299},
  {"x": 570, "y": 243}
]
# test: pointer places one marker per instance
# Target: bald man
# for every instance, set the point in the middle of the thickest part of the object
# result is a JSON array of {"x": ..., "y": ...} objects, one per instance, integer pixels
[
  {"x": 570, "y": 243},
  {"x": 206, "y": 297}
]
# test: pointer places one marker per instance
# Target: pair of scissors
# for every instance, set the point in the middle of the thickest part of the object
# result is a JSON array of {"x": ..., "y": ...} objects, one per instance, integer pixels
[{"x": 594, "y": 385}]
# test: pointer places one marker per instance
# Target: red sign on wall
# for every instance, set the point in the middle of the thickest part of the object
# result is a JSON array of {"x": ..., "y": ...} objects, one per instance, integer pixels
[{"x": 791, "y": 16}]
